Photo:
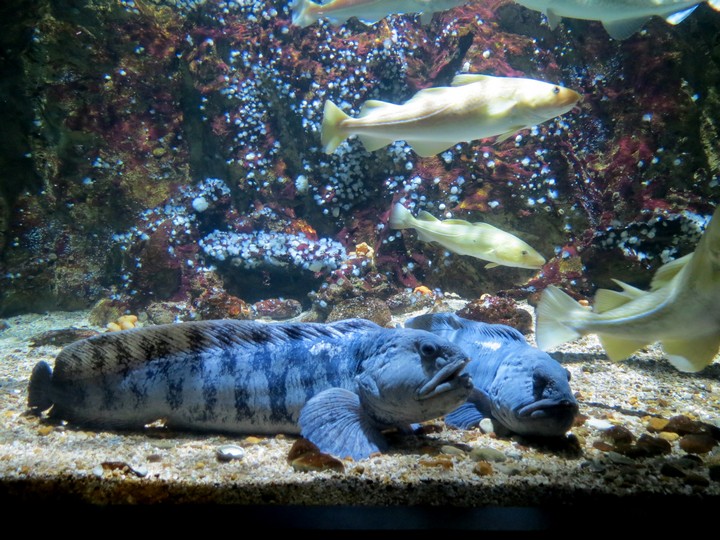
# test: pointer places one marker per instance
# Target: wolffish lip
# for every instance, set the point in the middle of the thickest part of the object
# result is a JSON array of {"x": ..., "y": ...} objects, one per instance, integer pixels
[
  {"x": 446, "y": 379},
  {"x": 544, "y": 407}
]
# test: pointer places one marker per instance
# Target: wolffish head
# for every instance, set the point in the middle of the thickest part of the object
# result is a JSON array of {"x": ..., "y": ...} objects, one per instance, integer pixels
[
  {"x": 411, "y": 376},
  {"x": 532, "y": 396}
]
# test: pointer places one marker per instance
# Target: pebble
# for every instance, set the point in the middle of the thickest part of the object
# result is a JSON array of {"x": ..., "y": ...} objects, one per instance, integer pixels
[
  {"x": 444, "y": 462},
  {"x": 487, "y": 454},
  {"x": 656, "y": 425},
  {"x": 697, "y": 443},
  {"x": 229, "y": 452},
  {"x": 620, "y": 435},
  {"x": 694, "y": 479},
  {"x": 647, "y": 446},
  {"x": 452, "y": 450},
  {"x": 669, "y": 436},
  {"x": 683, "y": 425},
  {"x": 304, "y": 456},
  {"x": 598, "y": 424},
  {"x": 44, "y": 431},
  {"x": 619, "y": 459},
  {"x": 486, "y": 426},
  {"x": 672, "y": 470},
  {"x": 483, "y": 468}
]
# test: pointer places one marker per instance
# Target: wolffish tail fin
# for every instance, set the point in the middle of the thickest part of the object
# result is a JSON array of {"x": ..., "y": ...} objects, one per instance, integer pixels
[
  {"x": 39, "y": 390},
  {"x": 554, "y": 307},
  {"x": 301, "y": 12},
  {"x": 331, "y": 135}
]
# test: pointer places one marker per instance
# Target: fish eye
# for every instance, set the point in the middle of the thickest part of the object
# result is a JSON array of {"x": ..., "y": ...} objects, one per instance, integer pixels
[
  {"x": 428, "y": 350},
  {"x": 556, "y": 90},
  {"x": 524, "y": 252},
  {"x": 568, "y": 374}
]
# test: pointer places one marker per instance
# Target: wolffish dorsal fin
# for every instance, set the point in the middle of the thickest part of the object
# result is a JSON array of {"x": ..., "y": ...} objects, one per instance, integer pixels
[
  {"x": 426, "y": 216},
  {"x": 121, "y": 351},
  {"x": 444, "y": 323},
  {"x": 469, "y": 78},
  {"x": 372, "y": 105}
]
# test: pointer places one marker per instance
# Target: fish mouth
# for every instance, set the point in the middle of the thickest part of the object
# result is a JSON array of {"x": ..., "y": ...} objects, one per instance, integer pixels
[
  {"x": 446, "y": 379},
  {"x": 548, "y": 407}
]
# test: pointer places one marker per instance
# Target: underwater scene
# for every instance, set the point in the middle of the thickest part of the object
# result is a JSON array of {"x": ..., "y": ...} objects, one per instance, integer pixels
[{"x": 451, "y": 253}]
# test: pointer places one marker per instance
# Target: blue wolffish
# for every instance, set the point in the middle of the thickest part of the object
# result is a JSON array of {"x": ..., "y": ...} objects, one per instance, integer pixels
[
  {"x": 518, "y": 386},
  {"x": 337, "y": 384}
]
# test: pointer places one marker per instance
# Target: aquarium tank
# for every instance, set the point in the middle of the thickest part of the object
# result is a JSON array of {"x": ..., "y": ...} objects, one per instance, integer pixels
[{"x": 550, "y": 166}]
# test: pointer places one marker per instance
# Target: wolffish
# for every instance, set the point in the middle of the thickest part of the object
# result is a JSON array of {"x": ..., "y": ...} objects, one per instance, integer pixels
[
  {"x": 338, "y": 385},
  {"x": 520, "y": 387}
]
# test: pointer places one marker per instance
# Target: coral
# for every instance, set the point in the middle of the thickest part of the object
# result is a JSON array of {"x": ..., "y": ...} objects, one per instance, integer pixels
[
  {"x": 369, "y": 308},
  {"x": 277, "y": 308},
  {"x": 498, "y": 310}
]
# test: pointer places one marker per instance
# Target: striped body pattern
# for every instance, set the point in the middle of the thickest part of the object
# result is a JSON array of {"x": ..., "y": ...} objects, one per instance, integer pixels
[{"x": 249, "y": 377}]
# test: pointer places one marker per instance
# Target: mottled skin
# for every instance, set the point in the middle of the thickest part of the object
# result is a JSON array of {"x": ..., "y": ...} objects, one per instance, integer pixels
[
  {"x": 518, "y": 386},
  {"x": 249, "y": 377}
]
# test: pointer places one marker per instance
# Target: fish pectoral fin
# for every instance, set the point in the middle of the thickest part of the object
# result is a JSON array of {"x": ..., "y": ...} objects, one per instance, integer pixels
[
  {"x": 426, "y": 17},
  {"x": 692, "y": 354},
  {"x": 372, "y": 143},
  {"x": 429, "y": 148},
  {"x": 620, "y": 348},
  {"x": 336, "y": 422},
  {"x": 491, "y": 265},
  {"x": 553, "y": 18},
  {"x": 625, "y": 28},
  {"x": 470, "y": 413}
]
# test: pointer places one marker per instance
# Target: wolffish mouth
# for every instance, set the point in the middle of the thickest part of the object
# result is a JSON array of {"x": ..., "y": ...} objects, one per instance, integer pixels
[
  {"x": 448, "y": 378},
  {"x": 548, "y": 407}
]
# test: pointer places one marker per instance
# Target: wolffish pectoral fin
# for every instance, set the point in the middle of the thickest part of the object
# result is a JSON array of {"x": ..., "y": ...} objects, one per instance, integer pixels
[
  {"x": 470, "y": 413},
  {"x": 619, "y": 348},
  {"x": 429, "y": 148},
  {"x": 335, "y": 421},
  {"x": 693, "y": 354}
]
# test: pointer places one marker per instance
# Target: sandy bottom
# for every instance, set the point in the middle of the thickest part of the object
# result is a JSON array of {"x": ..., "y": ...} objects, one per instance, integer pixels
[{"x": 437, "y": 471}]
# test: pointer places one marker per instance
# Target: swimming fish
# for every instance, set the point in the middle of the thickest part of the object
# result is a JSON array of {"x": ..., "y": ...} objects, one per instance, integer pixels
[
  {"x": 521, "y": 388},
  {"x": 337, "y": 385},
  {"x": 478, "y": 240},
  {"x": 682, "y": 311},
  {"x": 306, "y": 12},
  {"x": 621, "y": 18},
  {"x": 434, "y": 119}
]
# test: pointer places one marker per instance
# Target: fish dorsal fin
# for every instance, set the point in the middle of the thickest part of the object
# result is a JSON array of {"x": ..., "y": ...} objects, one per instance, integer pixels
[
  {"x": 372, "y": 105},
  {"x": 444, "y": 324},
  {"x": 680, "y": 16},
  {"x": 469, "y": 78},
  {"x": 458, "y": 222},
  {"x": 693, "y": 354},
  {"x": 668, "y": 271},
  {"x": 606, "y": 299},
  {"x": 553, "y": 18},
  {"x": 625, "y": 28},
  {"x": 120, "y": 351},
  {"x": 426, "y": 216},
  {"x": 336, "y": 422}
]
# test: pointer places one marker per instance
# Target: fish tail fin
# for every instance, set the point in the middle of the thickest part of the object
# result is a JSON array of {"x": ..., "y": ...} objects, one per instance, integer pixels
[
  {"x": 39, "y": 389},
  {"x": 556, "y": 307},
  {"x": 302, "y": 12},
  {"x": 331, "y": 135},
  {"x": 400, "y": 217}
]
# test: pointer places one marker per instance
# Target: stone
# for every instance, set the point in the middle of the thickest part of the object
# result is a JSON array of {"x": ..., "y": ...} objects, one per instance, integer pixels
[
  {"x": 487, "y": 454},
  {"x": 229, "y": 452},
  {"x": 683, "y": 425},
  {"x": 483, "y": 468},
  {"x": 656, "y": 425},
  {"x": 486, "y": 426},
  {"x": 697, "y": 443}
]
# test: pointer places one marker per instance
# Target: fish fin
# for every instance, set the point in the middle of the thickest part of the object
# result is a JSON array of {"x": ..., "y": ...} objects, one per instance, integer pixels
[
  {"x": 553, "y": 19},
  {"x": 491, "y": 265},
  {"x": 335, "y": 421},
  {"x": 668, "y": 271},
  {"x": 554, "y": 307},
  {"x": 426, "y": 216},
  {"x": 446, "y": 324},
  {"x": 400, "y": 217},
  {"x": 469, "y": 78},
  {"x": 504, "y": 136},
  {"x": 39, "y": 389},
  {"x": 372, "y": 143},
  {"x": 301, "y": 12},
  {"x": 372, "y": 105},
  {"x": 605, "y": 300},
  {"x": 680, "y": 16},
  {"x": 624, "y": 29},
  {"x": 620, "y": 348},
  {"x": 429, "y": 148},
  {"x": 501, "y": 107},
  {"x": 426, "y": 17},
  {"x": 330, "y": 134},
  {"x": 459, "y": 222},
  {"x": 692, "y": 355},
  {"x": 629, "y": 290},
  {"x": 470, "y": 413}
]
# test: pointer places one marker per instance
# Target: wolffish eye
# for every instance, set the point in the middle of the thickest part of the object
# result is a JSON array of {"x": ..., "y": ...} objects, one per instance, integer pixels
[
  {"x": 568, "y": 374},
  {"x": 428, "y": 350},
  {"x": 556, "y": 90}
]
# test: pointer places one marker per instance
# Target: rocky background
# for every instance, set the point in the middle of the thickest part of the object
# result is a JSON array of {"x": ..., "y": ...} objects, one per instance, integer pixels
[{"x": 163, "y": 157}]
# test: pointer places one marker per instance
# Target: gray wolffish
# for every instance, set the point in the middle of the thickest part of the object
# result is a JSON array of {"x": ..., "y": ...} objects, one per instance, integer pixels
[
  {"x": 521, "y": 388},
  {"x": 338, "y": 385}
]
